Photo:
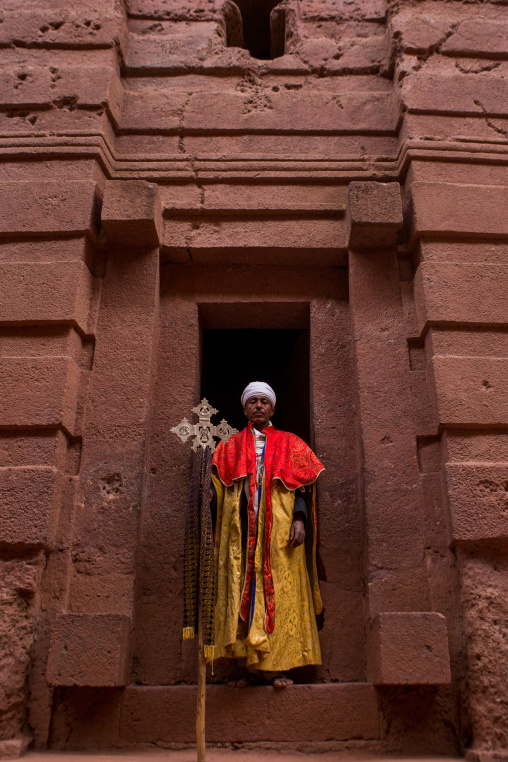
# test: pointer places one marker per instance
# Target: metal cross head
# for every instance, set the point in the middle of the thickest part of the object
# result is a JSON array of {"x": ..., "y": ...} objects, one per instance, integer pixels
[{"x": 203, "y": 431}]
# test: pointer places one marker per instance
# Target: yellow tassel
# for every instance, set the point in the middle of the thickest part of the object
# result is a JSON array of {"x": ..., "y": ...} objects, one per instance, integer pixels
[
  {"x": 188, "y": 633},
  {"x": 208, "y": 652}
]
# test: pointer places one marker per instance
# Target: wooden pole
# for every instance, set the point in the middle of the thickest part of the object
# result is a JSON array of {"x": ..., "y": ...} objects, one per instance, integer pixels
[{"x": 200, "y": 712}]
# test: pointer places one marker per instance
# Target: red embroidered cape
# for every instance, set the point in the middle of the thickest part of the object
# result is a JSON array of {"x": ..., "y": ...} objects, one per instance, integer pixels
[{"x": 288, "y": 458}]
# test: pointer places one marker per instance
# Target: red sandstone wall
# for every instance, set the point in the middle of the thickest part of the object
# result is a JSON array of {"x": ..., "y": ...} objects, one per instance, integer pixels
[{"x": 147, "y": 170}]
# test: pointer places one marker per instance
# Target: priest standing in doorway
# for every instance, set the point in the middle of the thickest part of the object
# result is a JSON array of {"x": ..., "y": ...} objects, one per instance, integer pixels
[{"x": 265, "y": 546}]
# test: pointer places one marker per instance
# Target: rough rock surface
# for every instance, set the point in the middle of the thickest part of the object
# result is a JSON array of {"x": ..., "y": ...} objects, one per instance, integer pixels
[
  {"x": 19, "y": 580},
  {"x": 485, "y": 601}
]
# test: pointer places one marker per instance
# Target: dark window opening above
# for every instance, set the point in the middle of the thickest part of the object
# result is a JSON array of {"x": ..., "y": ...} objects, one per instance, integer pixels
[{"x": 259, "y": 26}]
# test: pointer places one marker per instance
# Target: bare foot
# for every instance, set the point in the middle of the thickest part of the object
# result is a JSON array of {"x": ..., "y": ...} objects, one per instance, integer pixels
[{"x": 281, "y": 681}]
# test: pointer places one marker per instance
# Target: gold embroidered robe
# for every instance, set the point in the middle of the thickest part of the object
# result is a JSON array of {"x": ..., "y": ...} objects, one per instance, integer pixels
[{"x": 294, "y": 641}]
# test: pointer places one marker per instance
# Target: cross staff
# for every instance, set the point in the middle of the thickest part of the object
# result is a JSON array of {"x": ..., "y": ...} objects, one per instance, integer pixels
[
  {"x": 199, "y": 558},
  {"x": 203, "y": 431}
]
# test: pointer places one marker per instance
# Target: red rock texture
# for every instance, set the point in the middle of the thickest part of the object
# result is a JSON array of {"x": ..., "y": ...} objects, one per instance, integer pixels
[
  {"x": 230, "y": 714},
  {"x": 158, "y": 181},
  {"x": 484, "y": 588},
  {"x": 90, "y": 650},
  {"x": 19, "y": 581},
  {"x": 408, "y": 649}
]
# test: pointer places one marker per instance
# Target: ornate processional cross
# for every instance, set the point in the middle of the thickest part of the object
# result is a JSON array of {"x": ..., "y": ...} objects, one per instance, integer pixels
[{"x": 203, "y": 431}]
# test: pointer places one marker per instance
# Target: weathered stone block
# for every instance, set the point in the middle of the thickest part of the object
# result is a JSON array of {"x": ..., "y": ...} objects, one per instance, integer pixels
[
  {"x": 257, "y": 108},
  {"x": 484, "y": 602},
  {"x": 468, "y": 293},
  {"x": 475, "y": 36},
  {"x": 75, "y": 86},
  {"x": 374, "y": 214},
  {"x": 371, "y": 10},
  {"x": 173, "y": 45},
  {"x": 52, "y": 27},
  {"x": 451, "y": 208},
  {"x": 408, "y": 648},
  {"x": 37, "y": 292},
  {"x": 47, "y": 207},
  {"x": 483, "y": 447},
  {"x": 285, "y": 199},
  {"x": 320, "y": 237},
  {"x": 13, "y": 748},
  {"x": 29, "y": 503},
  {"x": 94, "y": 583},
  {"x": 132, "y": 213},
  {"x": 337, "y": 48},
  {"x": 401, "y": 589},
  {"x": 21, "y": 448},
  {"x": 446, "y": 341},
  {"x": 490, "y": 252},
  {"x": 73, "y": 249},
  {"x": 471, "y": 391},
  {"x": 478, "y": 499},
  {"x": 173, "y": 9},
  {"x": 145, "y": 111},
  {"x": 447, "y": 94},
  {"x": 39, "y": 391},
  {"x": 92, "y": 7},
  {"x": 417, "y": 34},
  {"x": 90, "y": 650}
]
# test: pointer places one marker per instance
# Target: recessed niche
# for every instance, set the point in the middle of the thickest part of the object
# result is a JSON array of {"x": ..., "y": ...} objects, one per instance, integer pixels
[{"x": 259, "y": 26}]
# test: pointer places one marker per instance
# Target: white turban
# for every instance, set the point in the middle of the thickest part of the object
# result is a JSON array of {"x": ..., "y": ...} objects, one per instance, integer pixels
[{"x": 258, "y": 389}]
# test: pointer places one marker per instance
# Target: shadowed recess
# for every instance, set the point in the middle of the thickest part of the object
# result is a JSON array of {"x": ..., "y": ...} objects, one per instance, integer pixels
[
  {"x": 234, "y": 357},
  {"x": 263, "y": 32}
]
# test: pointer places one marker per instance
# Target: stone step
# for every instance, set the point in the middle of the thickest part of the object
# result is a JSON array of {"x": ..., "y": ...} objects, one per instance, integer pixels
[{"x": 321, "y": 712}]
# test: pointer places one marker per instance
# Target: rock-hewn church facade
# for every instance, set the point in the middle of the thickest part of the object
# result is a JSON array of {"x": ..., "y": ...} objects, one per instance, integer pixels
[{"x": 196, "y": 193}]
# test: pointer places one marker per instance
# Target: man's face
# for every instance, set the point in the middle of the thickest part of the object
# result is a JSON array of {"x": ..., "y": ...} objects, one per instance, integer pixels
[{"x": 259, "y": 411}]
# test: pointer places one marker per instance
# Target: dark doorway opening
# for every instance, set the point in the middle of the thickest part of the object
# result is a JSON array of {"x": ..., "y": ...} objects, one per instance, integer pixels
[
  {"x": 231, "y": 358},
  {"x": 263, "y": 28}
]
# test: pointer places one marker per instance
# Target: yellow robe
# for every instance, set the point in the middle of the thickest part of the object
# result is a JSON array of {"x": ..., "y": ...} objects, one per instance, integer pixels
[{"x": 294, "y": 641}]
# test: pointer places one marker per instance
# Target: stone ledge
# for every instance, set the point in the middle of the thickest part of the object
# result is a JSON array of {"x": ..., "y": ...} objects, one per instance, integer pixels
[{"x": 323, "y": 712}]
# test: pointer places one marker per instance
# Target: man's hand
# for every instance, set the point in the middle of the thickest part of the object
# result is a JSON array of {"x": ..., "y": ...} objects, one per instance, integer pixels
[{"x": 297, "y": 533}]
